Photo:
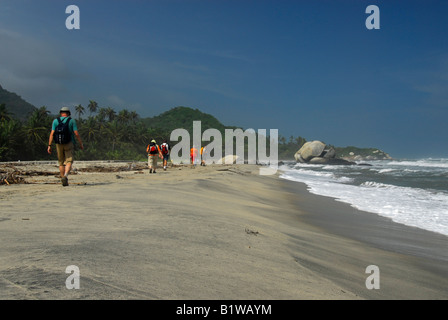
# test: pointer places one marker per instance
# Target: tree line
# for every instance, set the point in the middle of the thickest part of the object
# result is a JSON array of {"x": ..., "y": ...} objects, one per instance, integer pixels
[{"x": 106, "y": 133}]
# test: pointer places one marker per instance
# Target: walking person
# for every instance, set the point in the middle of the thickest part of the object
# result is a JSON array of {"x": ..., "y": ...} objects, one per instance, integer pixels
[
  {"x": 165, "y": 153},
  {"x": 203, "y": 155},
  {"x": 193, "y": 155},
  {"x": 154, "y": 152},
  {"x": 63, "y": 132}
]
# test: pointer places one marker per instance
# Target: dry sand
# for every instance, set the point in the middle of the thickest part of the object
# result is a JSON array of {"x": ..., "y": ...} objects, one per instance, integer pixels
[{"x": 214, "y": 232}]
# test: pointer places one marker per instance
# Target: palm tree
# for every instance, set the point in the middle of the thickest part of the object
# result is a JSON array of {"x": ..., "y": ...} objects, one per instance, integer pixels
[
  {"x": 300, "y": 141},
  {"x": 138, "y": 134},
  {"x": 43, "y": 113},
  {"x": 93, "y": 106},
  {"x": 114, "y": 131},
  {"x": 90, "y": 128},
  {"x": 10, "y": 138},
  {"x": 80, "y": 111},
  {"x": 101, "y": 116},
  {"x": 123, "y": 116},
  {"x": 5, "y": 115},
  {"x": 35, "y": 130},
  {"x": 110, "y": 113},
  {"x": 133, "y": 116},
  {"x": 282, "y": 139}
]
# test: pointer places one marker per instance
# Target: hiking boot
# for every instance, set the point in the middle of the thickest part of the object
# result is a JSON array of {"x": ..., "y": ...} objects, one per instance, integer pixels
[
  {"x": 150, "y": 170},
  {"x": 64, "y": 181}
]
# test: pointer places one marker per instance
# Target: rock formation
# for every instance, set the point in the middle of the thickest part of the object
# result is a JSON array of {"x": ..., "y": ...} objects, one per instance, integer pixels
[{"x": 317, "y": 152}]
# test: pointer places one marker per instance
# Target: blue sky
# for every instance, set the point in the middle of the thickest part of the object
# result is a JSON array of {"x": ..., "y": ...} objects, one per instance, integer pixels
[{"x": 308, "y": 68}]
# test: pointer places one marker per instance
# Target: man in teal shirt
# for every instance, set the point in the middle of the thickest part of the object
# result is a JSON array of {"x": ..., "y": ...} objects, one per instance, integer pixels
[{"x": 65, "y": 150}]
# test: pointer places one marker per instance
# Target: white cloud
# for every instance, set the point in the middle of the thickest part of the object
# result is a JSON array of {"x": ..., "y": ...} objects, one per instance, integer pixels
[{"x": 115, "y": 100}]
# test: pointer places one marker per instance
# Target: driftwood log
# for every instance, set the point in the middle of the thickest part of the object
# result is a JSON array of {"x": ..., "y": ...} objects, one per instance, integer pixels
[
  {"x": 11, "y": 178},
  {"x": 10, "y": 174}
]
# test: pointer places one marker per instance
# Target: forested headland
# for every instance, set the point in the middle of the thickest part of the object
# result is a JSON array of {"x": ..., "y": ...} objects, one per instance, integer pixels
[{"x": 108, "y": 134}]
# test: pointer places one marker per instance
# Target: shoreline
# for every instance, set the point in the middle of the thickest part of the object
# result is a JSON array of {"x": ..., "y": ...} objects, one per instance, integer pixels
[
  {"x": 423, "y": 251},
  {"x": 370, "y": 227},
  {"x": 214, "y": 232}
]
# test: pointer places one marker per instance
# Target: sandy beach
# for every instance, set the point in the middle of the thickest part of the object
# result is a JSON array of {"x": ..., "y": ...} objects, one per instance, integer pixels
[{"x": 191, "y": 233}]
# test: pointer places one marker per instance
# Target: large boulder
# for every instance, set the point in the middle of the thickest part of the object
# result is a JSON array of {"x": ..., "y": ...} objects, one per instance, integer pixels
[
  {"x": 309, "y": 150},
  {"x": 329, "y": 153},
  {"x": 335, "y": 161},
  {"x": 317, "y": 152},
  {"x": 318, "y": 160},
  {"x": 299, "y": 158}
]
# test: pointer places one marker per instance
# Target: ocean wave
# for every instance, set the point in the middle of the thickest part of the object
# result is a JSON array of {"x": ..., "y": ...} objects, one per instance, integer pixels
[
  {"x": 422, "y": 208},
  {"x": 373, "y": 184},
  {"x": 430, "y": 163},
  {"x": 386, "y": 170}
]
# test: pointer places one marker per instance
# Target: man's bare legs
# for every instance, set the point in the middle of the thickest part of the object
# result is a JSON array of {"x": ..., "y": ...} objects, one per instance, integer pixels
[{"x": 64, "y": 171}]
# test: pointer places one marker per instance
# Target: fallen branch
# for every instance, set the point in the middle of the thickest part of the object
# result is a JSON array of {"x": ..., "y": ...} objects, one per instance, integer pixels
[{"x": 11, "y": 178}]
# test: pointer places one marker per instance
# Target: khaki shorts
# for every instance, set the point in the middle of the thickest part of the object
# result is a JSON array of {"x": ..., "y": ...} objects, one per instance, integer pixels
[
  {"x": 152, "y": 161},
  {"x": 65, "y": 153}
]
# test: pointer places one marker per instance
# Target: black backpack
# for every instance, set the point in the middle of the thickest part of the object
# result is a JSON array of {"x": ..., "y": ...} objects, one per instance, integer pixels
[{"x": 62, "y": 134}]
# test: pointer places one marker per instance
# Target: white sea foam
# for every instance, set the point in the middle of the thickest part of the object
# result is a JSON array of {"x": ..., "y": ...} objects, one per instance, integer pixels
[
  {"x": 423, "y": 208},
  {"x": 386, "y": 170},
  {"x": 430, "y": 163}
]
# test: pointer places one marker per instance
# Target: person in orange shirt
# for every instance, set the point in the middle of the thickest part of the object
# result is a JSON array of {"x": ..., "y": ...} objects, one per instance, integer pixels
[
  {"x": 193, "y": 155},
  {"x": 203, "y": 156},
  {"x": 153, "y": 151}
]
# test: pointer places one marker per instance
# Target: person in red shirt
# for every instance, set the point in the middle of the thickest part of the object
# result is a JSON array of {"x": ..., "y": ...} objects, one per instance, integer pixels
[{"x": 165, "y": 152}]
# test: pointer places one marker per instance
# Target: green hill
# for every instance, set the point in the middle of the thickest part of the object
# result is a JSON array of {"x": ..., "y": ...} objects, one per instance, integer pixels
[
  {"x": 183, "y": 117},
  {"x": 109, "y": 135},
  {"x": 356, "y": 153},
  {"x": 18, "y": 107}
]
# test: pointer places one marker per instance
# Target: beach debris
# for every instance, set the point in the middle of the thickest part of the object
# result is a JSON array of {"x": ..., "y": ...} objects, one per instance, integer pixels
[
  {"x": 18, "y": 172},
  {"x": 131, "y": 167},
  {"x": 248, "y": 231},
  {"x": 11, "y": 178},
  {"x": 237, "y": 171},
  {"x": 9, "y": 174}
]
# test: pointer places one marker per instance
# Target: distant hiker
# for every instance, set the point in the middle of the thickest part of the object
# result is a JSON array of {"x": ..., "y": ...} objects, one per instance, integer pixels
[
  {"x": 193, "y": 155},
  {"x": 63, "y": 131},
  {"x": 165, "y": 148},
  {"x": 153, "y": 151},
  {"x": 203, "y": 155}
]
